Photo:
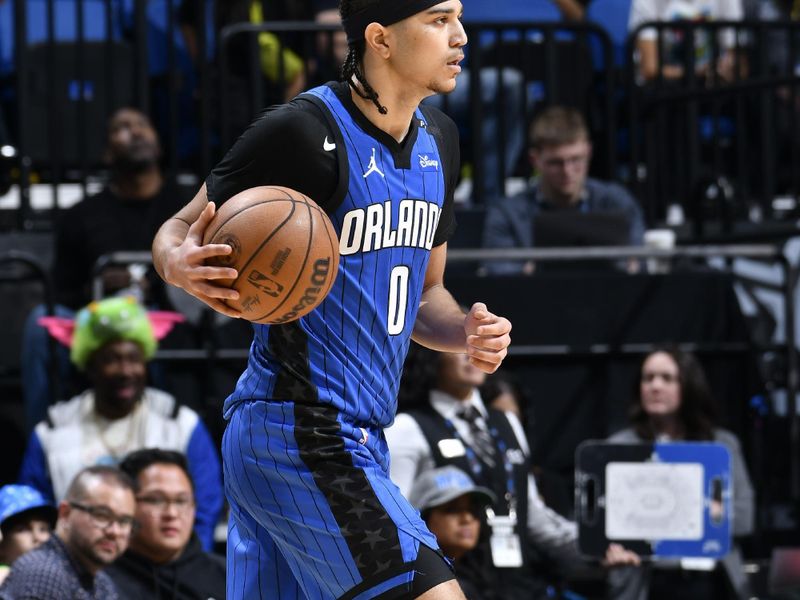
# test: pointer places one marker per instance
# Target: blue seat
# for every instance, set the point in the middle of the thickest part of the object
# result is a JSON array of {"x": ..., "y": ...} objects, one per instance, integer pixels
[
  {"x": 482, "y": 11},
  {"x": 162, "y": 33},
  {"x": 611, "y": 15},
  {"x": 158, "y": 19},
  {"x": 65, "y": 25}
]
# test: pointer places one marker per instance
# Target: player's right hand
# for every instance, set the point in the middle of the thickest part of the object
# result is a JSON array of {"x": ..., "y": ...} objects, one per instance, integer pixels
[{"x": 186, "y": 267}]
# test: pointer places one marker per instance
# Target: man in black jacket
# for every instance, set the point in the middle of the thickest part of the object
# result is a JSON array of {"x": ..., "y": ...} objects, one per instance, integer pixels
[
  {"x": 165, "y": 559},
  {"x": 123, "y": 216}
]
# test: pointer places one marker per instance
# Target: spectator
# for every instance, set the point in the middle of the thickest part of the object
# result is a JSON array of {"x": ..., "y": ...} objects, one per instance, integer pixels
[
  {"x": 165, "y": 559},
  {"x": 279, "y": 56},
  {"x": 93, "y": 529},
  {"x": 647, "y": 43},
  {"x": 502, "y": 391},
  {"x": 331, "y": 52},
  {"x": 673, "y": 402},
  {"x": 560, "y": 154},
  {"x": 112, "y": 342},
  {"x": 124, "y": 216},
  {"x": 456, "y": 105},
  {"x": 26, "y": 521},
  {"x": 452, "y": 506},
  {"x": 450, "y": 425},
  {"x": 778, "y": 43}
]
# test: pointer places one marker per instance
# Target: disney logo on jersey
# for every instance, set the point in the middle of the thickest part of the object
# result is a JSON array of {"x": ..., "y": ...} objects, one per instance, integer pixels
[
  {"x": 376, "y": 227},
  {"x": 427, "y": 163}
]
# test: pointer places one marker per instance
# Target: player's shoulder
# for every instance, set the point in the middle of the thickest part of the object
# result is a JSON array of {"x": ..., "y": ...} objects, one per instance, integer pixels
[{"x": 298, "y": 118}]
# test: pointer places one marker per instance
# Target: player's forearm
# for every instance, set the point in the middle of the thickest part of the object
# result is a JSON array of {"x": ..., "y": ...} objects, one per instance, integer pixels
[{"x": 440, "y": 321}]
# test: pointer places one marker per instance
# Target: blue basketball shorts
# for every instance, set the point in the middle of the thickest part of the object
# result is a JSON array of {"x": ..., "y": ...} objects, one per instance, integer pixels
[{"x": 314, "y": 514}]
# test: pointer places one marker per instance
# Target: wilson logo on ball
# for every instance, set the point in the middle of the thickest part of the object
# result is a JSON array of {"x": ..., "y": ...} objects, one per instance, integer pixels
[{"x": 318, "y": 278}]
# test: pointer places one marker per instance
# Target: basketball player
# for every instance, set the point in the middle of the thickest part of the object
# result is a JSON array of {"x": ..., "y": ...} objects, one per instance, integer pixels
[{"x": 313, "y": 512}]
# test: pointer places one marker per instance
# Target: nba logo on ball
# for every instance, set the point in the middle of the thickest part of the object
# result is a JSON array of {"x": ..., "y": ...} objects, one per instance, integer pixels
[
  {"x": 265, "y": 284},
  {"x": 282, "y": 232}
]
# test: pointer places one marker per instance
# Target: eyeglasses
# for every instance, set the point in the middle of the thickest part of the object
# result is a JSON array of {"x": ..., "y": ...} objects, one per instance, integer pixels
[
  {"x": 103, "y": 517},
  {"x": 161, "y": 503},
  {"x": 569, "y": 161}
]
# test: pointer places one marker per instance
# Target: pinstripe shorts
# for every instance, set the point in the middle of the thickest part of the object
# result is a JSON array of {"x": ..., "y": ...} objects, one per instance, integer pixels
[{"x": 314, "y": 514}]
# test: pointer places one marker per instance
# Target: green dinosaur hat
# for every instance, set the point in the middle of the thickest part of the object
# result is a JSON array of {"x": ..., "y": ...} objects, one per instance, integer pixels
[{"x": 108, "y": 321}]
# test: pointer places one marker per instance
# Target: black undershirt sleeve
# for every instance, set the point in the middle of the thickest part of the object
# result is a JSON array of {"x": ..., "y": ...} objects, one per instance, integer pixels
[
  {"x": 283, "y": 146},
  {"x": 445, "y": 132}
]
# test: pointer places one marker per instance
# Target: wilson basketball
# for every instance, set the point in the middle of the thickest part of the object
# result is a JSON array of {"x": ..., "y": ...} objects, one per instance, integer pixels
[{"x": 285, "y": 250}]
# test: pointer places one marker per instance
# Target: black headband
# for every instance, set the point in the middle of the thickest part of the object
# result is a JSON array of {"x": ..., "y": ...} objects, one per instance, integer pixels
[{"x": 384, "y": 12}]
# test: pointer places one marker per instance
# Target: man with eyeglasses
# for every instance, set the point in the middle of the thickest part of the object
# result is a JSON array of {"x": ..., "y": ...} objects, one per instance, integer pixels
[
  {"x": 95, "y": 521},
  {"x": 165, "y": 559},
  {"x": 560, "y": 152}
]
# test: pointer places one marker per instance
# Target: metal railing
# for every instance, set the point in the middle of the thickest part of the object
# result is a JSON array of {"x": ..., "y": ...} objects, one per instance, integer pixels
[
  {"x": 207, "y": 352},
  {"x": 731, "y": 113},
  {"x": 727, "y": 128}
]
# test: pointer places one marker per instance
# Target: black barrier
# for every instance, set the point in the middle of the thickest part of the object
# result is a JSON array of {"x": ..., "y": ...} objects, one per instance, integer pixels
[
  {"x": 569, "y": 64},
  {"x": 143, "y": 55},
  {"x": 585, "y": 346},
  {"x": 530, "y": 64},
  {"x": 16, "y": 269},
  {"x": 714, "y": 138}
]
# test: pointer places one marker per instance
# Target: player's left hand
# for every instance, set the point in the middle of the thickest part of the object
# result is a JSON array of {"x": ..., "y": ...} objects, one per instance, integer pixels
[{"x": 487, "y": 337}]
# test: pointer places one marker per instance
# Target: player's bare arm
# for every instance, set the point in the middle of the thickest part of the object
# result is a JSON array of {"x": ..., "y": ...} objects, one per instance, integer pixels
[
  {"x": 442, "y": 325},
  {"x": 179, "y": 255}
]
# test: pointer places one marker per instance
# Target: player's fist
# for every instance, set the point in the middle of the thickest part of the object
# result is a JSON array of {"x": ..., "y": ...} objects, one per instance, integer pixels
[{"x": 488, "y": 337}]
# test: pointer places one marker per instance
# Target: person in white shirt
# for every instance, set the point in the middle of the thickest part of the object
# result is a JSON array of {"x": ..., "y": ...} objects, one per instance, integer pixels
[
  {"x": 647, "y": 43},
  {"x": 451, "y": 426}
]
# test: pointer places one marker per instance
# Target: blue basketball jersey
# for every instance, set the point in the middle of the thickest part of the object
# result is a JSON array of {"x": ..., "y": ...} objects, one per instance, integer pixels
[{"x": 349, "y": 352}]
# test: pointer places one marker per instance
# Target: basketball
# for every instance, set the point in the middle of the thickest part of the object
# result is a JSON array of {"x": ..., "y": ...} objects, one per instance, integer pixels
[{"x": 285, "y": 250}]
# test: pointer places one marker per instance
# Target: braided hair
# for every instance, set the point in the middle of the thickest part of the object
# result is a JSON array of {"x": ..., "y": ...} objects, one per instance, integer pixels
[{"x": 352, "y": 66}]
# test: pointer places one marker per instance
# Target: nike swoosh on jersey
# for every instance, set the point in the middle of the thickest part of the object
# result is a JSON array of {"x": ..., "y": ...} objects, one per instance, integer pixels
[{"x": 328, "y": 146}]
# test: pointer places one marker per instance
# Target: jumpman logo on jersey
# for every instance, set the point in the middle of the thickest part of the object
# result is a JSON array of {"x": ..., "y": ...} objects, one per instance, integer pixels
[{"x": 372, "y": 167}]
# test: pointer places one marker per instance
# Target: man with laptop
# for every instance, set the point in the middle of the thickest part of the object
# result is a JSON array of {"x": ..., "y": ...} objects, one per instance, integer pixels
[{"x": 562, "y": 206}]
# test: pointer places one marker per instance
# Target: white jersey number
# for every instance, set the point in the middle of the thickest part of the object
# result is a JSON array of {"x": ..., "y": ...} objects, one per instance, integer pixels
[{"x": 398, "y": 300}]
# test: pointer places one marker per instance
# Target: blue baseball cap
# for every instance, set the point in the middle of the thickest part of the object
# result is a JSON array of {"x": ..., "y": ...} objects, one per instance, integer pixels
[
  {"x": 16, "y": 499},
  {"x": 439, "y": 486}
]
